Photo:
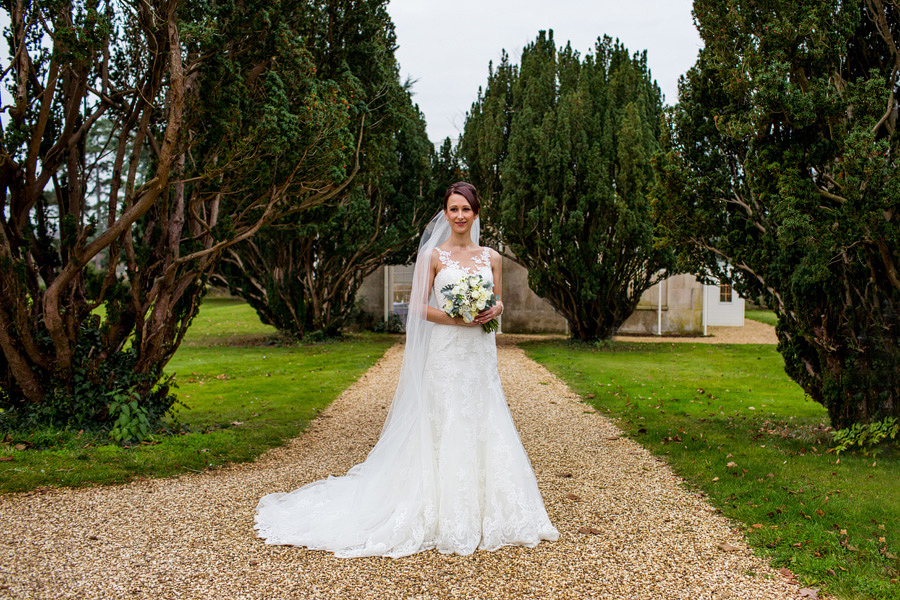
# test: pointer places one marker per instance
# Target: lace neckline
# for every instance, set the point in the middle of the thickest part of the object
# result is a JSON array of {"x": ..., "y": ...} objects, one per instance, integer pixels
[{"x": 481, "y": 261}]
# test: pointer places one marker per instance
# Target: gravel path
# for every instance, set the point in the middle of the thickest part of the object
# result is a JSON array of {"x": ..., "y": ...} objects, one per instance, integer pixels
[
  {"x": 192, "y": 536},
  {"x": 753, "y": 332}
]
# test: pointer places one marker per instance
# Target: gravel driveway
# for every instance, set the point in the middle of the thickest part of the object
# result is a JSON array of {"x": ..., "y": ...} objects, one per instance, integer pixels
[
  {"x": 753, "y": 332},
  {"x": 192, "y": 536}
]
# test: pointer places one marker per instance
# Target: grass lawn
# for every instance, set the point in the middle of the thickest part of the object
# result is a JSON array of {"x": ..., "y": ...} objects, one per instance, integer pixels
[
  {"x": 763, "y": 316},
  {"x": 730, "y": 422},
  {"x": 244, "y": 394}
]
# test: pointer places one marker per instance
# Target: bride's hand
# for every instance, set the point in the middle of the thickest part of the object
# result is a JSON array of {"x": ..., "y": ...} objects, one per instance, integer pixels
[{"x": 489, "y": 313}]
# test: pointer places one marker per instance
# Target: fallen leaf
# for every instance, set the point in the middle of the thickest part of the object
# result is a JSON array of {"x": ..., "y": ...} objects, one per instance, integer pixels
[
  {"x": 222, "y": 376},
  {"x": 589, "y": 530},
  {"x": 715, "y": 478},
  {"x": 726, "y": 547},
  {"x": 786, "y": 573},
  {"x": 757, "y": 526},
  {"x": 563, "y": 474},
  {"x": 5, "y": 458},
  {"x": 237, "y": 423},
  {"x": 820, "y": 512},
  {"x": 573, "y": 497},
  {"x": 731, "y": 464},
  {"x": 831, "y": 572},
  {"x": 808, "y": 593}
]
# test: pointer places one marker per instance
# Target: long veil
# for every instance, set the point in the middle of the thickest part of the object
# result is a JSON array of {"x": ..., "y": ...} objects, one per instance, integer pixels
[
  {"x": 377, "y": 508},
  {"x": 407, "y": 405}
]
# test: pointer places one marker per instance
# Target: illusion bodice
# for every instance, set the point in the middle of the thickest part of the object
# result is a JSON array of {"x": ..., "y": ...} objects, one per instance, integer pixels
[{"x": 451, "y": 269}]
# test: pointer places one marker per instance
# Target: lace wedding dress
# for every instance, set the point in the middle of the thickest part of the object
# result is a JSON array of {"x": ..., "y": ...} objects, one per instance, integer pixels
[{"x": 456, "y": 478}]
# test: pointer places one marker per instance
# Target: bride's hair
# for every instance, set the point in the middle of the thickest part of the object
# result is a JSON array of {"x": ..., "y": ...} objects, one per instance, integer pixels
[{"x": 467, "y": 191}]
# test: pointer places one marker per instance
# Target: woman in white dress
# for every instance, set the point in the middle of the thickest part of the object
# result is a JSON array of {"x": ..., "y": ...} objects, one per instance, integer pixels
[{"x": 449, "y": 471}]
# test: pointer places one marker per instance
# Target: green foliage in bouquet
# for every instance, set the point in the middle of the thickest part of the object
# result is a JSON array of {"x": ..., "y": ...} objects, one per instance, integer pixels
[{"x": 468, "y": 296}]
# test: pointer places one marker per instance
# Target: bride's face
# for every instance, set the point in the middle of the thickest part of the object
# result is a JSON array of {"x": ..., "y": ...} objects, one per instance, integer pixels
[{"x": 459, "y": 213}]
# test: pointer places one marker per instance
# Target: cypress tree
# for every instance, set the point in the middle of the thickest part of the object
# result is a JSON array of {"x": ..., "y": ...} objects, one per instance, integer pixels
[
  {"x": 783, "y": 165},
  {"x": 562, "y": 147}
]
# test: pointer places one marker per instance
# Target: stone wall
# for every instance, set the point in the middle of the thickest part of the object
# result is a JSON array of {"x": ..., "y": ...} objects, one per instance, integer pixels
[
  {"x": 526, "y": 312},
  {"x": 523, "y": 310},
  {"x": 371, "y": 294}
]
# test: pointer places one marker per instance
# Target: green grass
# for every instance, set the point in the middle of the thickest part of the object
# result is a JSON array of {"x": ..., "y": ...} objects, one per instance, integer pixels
[
  {"x": 244, "y": 393},
  {"x": 763, "y": 316},
  {"x": 835, "y": 523}
]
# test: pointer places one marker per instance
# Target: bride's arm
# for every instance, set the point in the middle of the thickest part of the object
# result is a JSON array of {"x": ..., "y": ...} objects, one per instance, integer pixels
[
  {"x": 496, "y": 310},
  {"x": 436, "y": 315}
]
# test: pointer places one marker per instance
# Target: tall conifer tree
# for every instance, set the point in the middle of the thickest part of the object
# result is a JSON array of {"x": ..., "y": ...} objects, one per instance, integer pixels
[
  {"x": 301, "y": 273},
  {"x": 561, "y": 148},
  {"x": 783, "y": 166}
]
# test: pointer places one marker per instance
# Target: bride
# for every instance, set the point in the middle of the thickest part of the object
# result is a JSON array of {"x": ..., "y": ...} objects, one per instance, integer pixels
[{"x": 449, "y": 471}]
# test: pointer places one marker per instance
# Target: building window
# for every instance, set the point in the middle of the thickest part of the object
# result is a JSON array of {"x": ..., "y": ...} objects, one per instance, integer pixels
[{"x": 725, "y": 293}]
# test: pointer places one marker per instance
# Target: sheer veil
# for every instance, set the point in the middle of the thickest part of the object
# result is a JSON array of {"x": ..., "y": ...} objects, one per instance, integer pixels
[{"x": 407, "y": 404}]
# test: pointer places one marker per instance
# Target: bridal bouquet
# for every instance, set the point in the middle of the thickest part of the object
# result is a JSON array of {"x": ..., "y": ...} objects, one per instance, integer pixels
[{"x": 468, "y": 296}]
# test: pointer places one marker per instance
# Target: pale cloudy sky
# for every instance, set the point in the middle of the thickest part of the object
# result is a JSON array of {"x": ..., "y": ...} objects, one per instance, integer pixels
[{"x": 446, "y": 45}]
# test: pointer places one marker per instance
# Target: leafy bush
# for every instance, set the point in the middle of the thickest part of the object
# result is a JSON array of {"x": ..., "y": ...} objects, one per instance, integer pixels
[
  {"x": 392, "y": 325},
  {"x": 132, "y": 422},
  {"x": 95, "y": 397},
  {"x": 866, "y": 436}
]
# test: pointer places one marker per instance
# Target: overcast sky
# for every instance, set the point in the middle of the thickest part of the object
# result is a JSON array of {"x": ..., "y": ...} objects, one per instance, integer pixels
[{"x": 446, "y": 46}]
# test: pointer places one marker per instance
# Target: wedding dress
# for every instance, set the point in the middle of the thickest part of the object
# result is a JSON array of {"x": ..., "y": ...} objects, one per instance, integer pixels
[{"x": 449, "y": 471}]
